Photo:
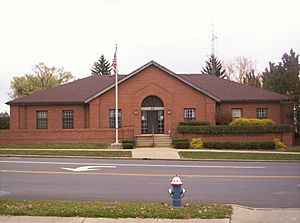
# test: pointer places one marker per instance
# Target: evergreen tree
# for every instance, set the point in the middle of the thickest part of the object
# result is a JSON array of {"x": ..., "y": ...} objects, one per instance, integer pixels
[
  {"x": 284, "y": 79},
  {"x": 101, "y": 67},
  {"x": 213, "y": 67}
]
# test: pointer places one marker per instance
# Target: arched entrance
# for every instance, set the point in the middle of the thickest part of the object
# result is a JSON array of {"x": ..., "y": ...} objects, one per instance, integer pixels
[{"x": 152, "y": 120}]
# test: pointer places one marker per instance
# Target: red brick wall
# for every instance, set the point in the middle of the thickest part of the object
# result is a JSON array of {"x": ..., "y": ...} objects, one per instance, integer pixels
[
  {"x": 62, "y": 136},
  {"x": 94, "y": 116},
  {"x": 276, "y": 111},
  {"x": 24, "y": 117},
  {"x": 152, "y": 81}
]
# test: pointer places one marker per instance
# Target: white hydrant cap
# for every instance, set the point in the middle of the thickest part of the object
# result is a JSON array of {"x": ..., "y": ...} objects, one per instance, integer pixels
[{"x": 176, "y": 181}]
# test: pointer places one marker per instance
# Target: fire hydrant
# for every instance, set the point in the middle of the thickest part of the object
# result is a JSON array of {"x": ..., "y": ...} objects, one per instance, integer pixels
[{"x": 176, "y": 192}]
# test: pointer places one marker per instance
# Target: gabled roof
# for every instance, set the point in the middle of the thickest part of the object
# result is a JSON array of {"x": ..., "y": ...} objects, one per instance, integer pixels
[
  {"x": 72, "y": 93},
  {"x": 227, "y": 90},
  {"x": 86, "y": 89}
]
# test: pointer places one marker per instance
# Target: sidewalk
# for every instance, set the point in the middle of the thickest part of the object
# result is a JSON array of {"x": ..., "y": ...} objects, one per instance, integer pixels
[
  {"x": 155, "y": 153},
  {"x": 240, "y": 215}
]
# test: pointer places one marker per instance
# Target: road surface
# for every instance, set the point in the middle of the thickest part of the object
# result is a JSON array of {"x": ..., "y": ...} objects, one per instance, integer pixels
[{"x": 254, "y": 184}]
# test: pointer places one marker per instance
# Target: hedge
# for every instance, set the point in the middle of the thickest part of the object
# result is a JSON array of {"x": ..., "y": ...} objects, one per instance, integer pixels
[
  {"x": 175, "y": 140},
  {"x": 127, "y": 144},
  {"x": 252, "y": 121},
  {"x": 236, "y": 129},
  {"x": 240, "y": 145},
  {"x": 194, "y": 123},
  {"x": 127, "y": 141},
  {"x": 181, "y": 145}
]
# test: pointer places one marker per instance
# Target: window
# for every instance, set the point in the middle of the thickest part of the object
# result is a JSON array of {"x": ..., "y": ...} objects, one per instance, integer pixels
[
  {"x": 68, "y": 119},
  {"x": 42, "y": 119},
  {"x": 189, "y": 114},
  {"x": 237, "y": 112},
  {"x": 261, "y": 113},
  {"x": 112, "y": 118}
]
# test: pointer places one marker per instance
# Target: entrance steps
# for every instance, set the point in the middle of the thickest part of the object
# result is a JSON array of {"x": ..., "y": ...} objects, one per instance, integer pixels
[{"x": 155, "y": 140}]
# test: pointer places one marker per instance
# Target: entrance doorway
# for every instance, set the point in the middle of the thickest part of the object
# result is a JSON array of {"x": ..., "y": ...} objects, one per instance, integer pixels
[{"x": 152, "y": 120}]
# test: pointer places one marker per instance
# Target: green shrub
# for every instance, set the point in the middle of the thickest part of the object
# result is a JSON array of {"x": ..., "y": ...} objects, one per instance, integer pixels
[
  {"x": 234, "y": 129},
  {"x": 127, "y": 145},
  {"x": 267, "y": 145},
  {"x": 175, "y": 140},
  {"x": 181, "y": 145},
  {"x": 127, "y": 141},
  {"x": 194, "y": 123},
  {"x": 196, "y": 143},
  {"x": 279, "y": 145},
  {"x": 252, "y": 121}
]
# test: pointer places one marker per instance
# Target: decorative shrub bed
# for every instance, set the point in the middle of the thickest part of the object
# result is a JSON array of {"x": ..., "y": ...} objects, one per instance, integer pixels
[
  {"x": 194, "y": 123},
  {"x": 252, "y": 121},
  {"x": 196, "y": 143},
  {"x": 127, "y": 144},
  {"x": 181, "y": 143},
  {"x": 267, "y": 145},
  {"x": 233, "y": 129}
]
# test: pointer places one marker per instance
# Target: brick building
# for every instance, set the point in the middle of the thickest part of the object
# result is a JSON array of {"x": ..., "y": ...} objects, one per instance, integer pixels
[{"x": 152, "y": 99}]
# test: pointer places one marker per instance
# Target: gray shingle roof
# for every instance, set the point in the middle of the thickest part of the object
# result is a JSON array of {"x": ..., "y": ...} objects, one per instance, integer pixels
[{"x": 85, "y": 89}]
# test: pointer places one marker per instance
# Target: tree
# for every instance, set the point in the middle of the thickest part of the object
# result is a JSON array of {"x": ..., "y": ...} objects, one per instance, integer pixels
[
  {"x": 4, "y": 120},
  {"x": 101, "y": 67},
  {"x": 251, "y": 79},
  {"x": 283, "y": 78},
  {"x": 42, "y": 79},
  {"x": 243, "y": 70},
  {"x": 213, "y": 67}
]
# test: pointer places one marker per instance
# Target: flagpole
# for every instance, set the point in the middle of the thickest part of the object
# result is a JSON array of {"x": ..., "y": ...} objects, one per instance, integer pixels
[{"x": 117, "y": 111}]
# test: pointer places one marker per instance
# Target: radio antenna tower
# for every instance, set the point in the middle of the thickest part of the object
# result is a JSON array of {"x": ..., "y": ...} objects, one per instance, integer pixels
[{"x": 213, "y": 38}]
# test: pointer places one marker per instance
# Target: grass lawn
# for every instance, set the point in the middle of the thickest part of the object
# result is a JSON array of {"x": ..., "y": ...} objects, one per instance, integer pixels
[
  {"x": 57, "y": 146},
  {"x": 67, "y": 153},
  {"x": 112, "y": 209},
  {"x": 240, "y": 156},
  {"x": 295, "y": 149}
]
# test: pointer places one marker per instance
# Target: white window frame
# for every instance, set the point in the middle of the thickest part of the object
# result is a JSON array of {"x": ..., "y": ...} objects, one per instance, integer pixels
[
  {"x": 262, "y": 113},
  {"x": 189, "y": 114},
  {"x": 237, "y": 112}
]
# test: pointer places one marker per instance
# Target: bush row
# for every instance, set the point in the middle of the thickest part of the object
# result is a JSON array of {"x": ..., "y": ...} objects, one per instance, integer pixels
[
  {"x": 127, "y": 144},
  {"x": 194, "y": 123},
  {"x": 252, "y": 121},
  {"x": 234, "y": 129},
  {"x": 240, "y": 145},
  {"x": 198, "y": 143}
]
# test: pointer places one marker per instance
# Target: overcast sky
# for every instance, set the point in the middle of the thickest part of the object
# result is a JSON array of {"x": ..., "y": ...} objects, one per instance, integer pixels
[{"x": 73, "y": 34}]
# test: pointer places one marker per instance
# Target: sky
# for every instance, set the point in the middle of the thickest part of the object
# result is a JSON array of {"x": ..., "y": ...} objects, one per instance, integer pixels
[{"x": 74, "y": 33}]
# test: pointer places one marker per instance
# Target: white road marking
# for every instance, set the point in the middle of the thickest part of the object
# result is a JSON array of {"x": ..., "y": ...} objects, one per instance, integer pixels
[
  {"x": 134, "y": 165},
  {"x": 87, "y": 168}
]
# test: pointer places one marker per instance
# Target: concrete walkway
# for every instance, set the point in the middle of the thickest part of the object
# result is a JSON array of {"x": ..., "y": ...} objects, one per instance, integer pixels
[
  {"x": 240, "y": 215},
  {"x": 250, "y": 215},
  {"x": 155, "y": 153}
]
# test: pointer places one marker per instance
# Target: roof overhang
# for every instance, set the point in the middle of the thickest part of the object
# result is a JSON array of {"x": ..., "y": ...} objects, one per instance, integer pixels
[{"x": 46, "y": 103}]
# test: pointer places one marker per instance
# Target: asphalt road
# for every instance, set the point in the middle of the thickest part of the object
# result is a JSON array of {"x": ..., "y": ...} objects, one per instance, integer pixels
[{"x": 253, "y": 184}]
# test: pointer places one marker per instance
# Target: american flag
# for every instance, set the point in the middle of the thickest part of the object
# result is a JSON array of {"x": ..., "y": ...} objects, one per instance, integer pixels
[{"x": 114, "y": 63}]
